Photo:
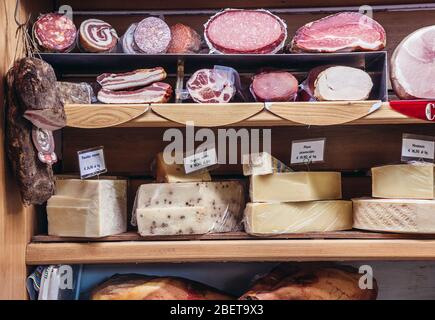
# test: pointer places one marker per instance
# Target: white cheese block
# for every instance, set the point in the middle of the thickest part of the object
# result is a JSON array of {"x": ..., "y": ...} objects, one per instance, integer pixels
[
  {"x": 298, "y": 217},
  {"x": 296, "y": 186},
  {"x": 411, "y": 181},
  {"x": 88, "y": 208},
  {"x": 262, "y": 163},
  {"x": 395, "y": 215},
  {"x": 222, "y": 204},
  {"x": 175, "y": 172}
]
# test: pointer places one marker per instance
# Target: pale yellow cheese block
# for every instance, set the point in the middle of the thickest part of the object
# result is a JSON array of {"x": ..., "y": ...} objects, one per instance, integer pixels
[
  {"x": 409, "y": 181},
  {"x": 175, "y": 172},
  {"x": 394, "y": 215},
  {"x": 298, "y": 217},
  {"x": 262, "y": 163},
  {"x": 296, "y": 186}
]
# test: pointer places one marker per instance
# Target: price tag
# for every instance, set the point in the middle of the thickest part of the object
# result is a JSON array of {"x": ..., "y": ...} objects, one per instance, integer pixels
[
  {"x": 418, "y": 148},
  {"x": 308, "y": 151},
  {"x": 200, "y": 161},
  {"x": 91, "y": 162}
]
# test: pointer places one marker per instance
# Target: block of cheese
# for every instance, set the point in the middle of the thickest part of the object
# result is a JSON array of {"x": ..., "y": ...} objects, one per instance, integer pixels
[
  {"x": 201, "y": 207},
  {"x": 262, "y": 163},
  {"x": 88, "y": 208},
  {"x": 412, "y": 181},
  {"x": 298, "y": 217},
  {"x": 296, "y": 186},
  {"x": 175, "y": 172},
  {"x": 395, "y": 215}
]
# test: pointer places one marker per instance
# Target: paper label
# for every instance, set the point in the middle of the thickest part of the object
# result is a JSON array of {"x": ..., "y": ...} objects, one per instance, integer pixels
[
  {"x": 91, "y": 162},
  {"x": 308, "y": 151},
  {"x": 200, "y": 161},
  {"x": 418, "y": 148}
]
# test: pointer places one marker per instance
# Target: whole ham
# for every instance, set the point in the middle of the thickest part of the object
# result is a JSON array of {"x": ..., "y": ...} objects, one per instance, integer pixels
[
  {"x": 211, "y": 86},
  {"x": 413, "y": 65},
  {"x": 158, "y": 92},
  {"x": 139, "y": 287},
  {"x": 245, "y": 31},
  {"x": 310, "y": 281},
  {"x": 341, "y": 32},
  {"x": 274, "y": 86},
  {"x": 133, "y": 79}
]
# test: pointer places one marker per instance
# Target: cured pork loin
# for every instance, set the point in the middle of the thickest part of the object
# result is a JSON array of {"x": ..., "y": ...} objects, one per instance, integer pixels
[
  {"x": 413, "y": 65},
  {"x": 211, "y": 86},
  {"x": 139, "y": 287},
  {"x": 158, "y": 92},
  {"x": 245, "y": 31},
  {"x": 274, "y": 86},
  {"x": 97, "y": 36},
  {"x": 336, "y": 83},
  {"x": 184, "y": 39},
  {"x": 54, "y": 32},
  {"x": 341, "y": 32},
  {"x": 133, "y": 79},
  {"x": 311, "y": 282}
]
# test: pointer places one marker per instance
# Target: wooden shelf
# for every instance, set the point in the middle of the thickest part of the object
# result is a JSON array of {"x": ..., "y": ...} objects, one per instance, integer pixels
[
  {"x": 385, "y": 115},
  {"x": 228, "y": 250}
]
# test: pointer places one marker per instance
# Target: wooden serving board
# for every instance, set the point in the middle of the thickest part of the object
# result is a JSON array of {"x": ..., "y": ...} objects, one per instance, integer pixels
[
  {"x": 208, "y": 115},
  {"x": 324, "y": 113},
  {"x": 134, "y": 236},
  {"x": 101, "y": 116}
]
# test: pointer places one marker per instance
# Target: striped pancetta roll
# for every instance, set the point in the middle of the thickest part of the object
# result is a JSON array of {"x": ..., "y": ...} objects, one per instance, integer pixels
[{"x": 97, "y": 36}]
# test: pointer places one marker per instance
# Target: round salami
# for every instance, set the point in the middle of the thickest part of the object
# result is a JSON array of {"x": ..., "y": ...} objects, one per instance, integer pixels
[
  {"x": 55, "y": 33},
  {"x": 184, "y": 39},
  {"x": 97, "y": 36},
  {"x": 245, "y": 31},
  {"x": 211, "y": 86},
  {"x": 152, "y": 36},
  {"x": 274, "y": 86}
]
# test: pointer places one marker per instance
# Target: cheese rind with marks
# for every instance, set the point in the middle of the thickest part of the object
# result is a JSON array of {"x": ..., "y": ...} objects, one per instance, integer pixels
[
  {"x": 296, "y": 186},
  {"x": 409, "y": 181},
  {"x": 298, "y": 217},
  {"x": 263, "y": 163},
  {"x": 394, "y": 215},
  {"x": 88, "y": 208}
]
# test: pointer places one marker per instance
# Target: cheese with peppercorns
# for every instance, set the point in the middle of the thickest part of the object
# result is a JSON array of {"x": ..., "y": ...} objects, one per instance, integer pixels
[{"x": 189, "y": 208}]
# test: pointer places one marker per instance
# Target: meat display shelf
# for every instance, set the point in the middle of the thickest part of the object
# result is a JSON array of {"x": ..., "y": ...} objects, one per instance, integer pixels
[
  {"x": 228, "y": 250},
  {"x": 251, "y": 115}
]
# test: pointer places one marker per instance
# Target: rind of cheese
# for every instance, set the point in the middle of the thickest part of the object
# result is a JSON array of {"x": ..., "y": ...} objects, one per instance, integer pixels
[
  {"x": 263, "y": 163},
  {"x": 296, "y": 186},
  {"x": 175, "y": 172},
  {"x": 298, "y": 217},
  {"x": 394, "y": 215},
  {"x": 88, "y": 208},
  {"x": 223, "y": 203},
  {"x": 409, "y": 181}
]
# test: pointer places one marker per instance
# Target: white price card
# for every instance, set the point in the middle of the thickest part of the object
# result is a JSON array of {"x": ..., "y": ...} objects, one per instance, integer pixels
[
  {"x": 418, "y": 148},
  {"x": 200, "y": 161},
  {"x": 91, "y": 162},
  {"x": 308, "y": 151}
]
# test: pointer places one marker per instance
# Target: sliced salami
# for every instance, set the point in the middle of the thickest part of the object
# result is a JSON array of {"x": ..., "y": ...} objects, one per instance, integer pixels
[
  {"x": 184, "y": 39},
  {"x": 158, "y": 92},
  {"x": 55, "y": 33},
  {"x": 274, "y": 86},
  {"x": 152, "y": 36},
  {"x": 97, "y": 36},
  {"x": 211, "y": 86},
  {"x": 245, "y": 31}
]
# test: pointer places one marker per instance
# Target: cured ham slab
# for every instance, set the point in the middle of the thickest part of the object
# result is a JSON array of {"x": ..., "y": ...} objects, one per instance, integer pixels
[
  {"x": 211, "y": 86},
  {"x": 158, "y": 92},
  {"x": 413, "y": 65},
  {"x": 128, "y": 80},
  {"x": 341, "y": 32},
  {"x": 274, "y": 86}
]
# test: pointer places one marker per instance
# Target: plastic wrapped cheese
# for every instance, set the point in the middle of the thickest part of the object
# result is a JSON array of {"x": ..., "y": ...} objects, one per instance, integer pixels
[
  {"x": 297, "y": 217},
  {"x": 189, "y": 208},
  {"x": 262, "y": 163}
]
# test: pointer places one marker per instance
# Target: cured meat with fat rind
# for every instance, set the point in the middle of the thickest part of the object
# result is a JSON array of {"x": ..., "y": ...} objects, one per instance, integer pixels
[
  {"x": 133, "y": 79},
  {"x": 158, "y": 92}
]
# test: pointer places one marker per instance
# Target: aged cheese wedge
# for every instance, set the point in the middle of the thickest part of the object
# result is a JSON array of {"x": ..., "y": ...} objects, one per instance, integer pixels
[
  {"x": 296, "y": 186},
  {"x": 175, "y": 172},
  {"x": 298, "y": 217},
  {"x": 217, "y": 204},
  {"x": 395, "y": 215},
  {"x": 88, "y": 208},
  {"x": 262, "y": 163},
  {"x": 411, "y": 181}
]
